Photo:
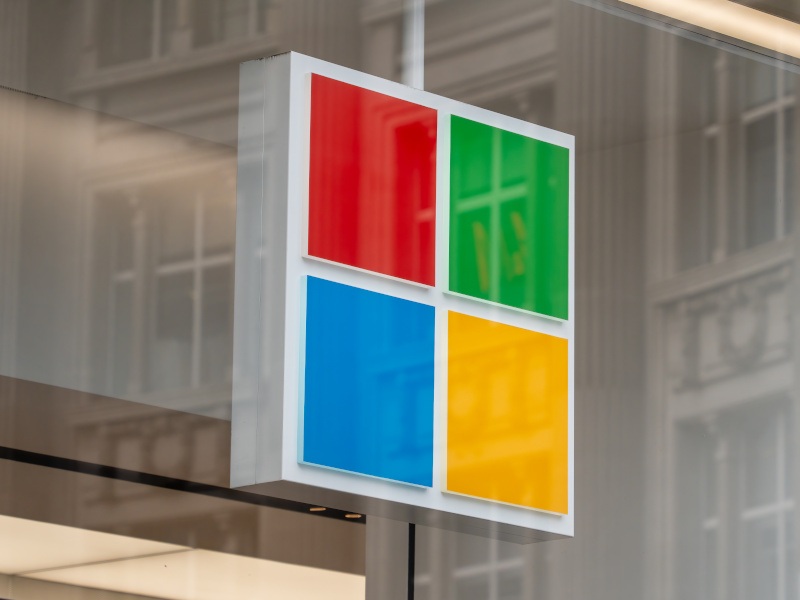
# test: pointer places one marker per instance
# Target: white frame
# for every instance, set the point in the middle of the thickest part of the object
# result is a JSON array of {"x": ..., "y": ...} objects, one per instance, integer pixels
[{"x": 271, "y": 264}]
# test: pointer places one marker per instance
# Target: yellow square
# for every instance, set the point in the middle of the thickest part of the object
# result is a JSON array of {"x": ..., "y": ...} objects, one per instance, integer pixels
[{"x": 507, "y": 414}]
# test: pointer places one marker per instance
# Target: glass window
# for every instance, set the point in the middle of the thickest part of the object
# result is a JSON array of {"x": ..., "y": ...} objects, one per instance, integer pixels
[
  {"x": 699, "y": 156},
  {"x": 216, "y": 21},
  {"x": 761, "y": 186},
  {"x": 125, "y": 31},
  {"x": 734, "y": 187},
  {"x": 761, "y": 558},
  {"x": 758, "y": 82},
  {"x": 789, "y": 194},
  {"x": 117, "y": 243},
  {"x": 174, "y": 246}
]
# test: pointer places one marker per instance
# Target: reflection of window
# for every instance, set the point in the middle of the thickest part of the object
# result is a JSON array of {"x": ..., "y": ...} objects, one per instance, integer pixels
[
  {"x": 508, "y": 203},
  {"x": 216, "y": 21},
  {"x": 130, "y": 31},
  {"x": 488, "y": 569},
  {"x": 125, "y": 30},
  {"x": 170, "y": 264},
  {"x": 736, "y": 147},
  {"x": 765, "y": 508},
  {"x": 736, "y": 506},
  {"x": 766, "y": 122},
  {"x": 786, "y": 9},
  {"x": 698, "y": 160},
  {"x": 480, "y": 568}
]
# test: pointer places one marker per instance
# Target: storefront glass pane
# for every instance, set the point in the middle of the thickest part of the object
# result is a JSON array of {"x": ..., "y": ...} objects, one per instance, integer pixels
[
  {"x": 684, "y": 271},
  {"x": 117, "y": 211}
]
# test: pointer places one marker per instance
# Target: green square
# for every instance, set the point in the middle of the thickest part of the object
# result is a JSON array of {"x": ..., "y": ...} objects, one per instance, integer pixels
[{"x": 509, "y": 218}]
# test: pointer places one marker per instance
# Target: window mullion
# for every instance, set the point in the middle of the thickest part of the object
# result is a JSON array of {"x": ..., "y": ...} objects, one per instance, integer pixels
[
  {"x": 155, "y": 46},
  {"x": 252, "y": 18},
  {"x": 726, "y": 558},
  {"x": 723, "y": 200},
  {"x": 141, "y": 303},
  {"x": 111, "y": 337},
  {"x": 197, "y": 295},
  {"x": 493, "y": 579},
  {"x": 780, "y": 163},
  {"x": 781, "y": 513}
]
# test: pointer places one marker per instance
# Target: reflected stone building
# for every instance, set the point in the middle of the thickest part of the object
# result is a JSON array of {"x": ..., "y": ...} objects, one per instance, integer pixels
[
  {"x": 117, "y": 233},
  {"x": 721, "y": 364}
]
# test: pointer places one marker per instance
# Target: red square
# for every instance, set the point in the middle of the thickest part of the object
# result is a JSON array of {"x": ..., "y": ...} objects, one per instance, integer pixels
[{"x": 372, "y": 186}]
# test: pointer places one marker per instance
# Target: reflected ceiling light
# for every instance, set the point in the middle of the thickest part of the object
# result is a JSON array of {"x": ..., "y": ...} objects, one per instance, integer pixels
[
  {"x": 732, "y": 20},
  {"x": 30, "y": 546},
  {"x": 92, "y": 559},
  {"x": 206, "y": 575}
]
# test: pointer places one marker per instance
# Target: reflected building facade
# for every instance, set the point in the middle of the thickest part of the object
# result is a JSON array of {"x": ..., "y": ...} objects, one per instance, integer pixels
[{"x": 117, "y": 235}]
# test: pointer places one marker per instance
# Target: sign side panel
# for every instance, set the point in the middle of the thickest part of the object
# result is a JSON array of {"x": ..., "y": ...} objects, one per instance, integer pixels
[
  {"x": 571, "y": 359},
  {"x": 258, "y": 360},
  {"x": 484, "y": 526}
]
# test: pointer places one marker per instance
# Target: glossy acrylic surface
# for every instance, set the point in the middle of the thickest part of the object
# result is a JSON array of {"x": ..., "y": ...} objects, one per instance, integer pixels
[
  {"x": 368, "y": 383},
  {"x": 372, "y": 183},
  {"x": 509, "y": 218},
  {"x": 507, "y": 414}
]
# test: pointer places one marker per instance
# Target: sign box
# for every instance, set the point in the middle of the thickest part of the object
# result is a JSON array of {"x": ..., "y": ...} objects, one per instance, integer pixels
[{"x": 404, "y": 304}]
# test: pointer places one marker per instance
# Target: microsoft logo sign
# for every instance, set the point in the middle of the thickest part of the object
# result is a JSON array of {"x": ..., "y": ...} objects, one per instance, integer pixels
[{"x": 404, "y": 319}]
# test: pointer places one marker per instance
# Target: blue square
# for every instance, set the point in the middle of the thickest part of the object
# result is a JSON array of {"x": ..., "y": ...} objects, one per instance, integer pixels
[{"x": 368, "y": 398}]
